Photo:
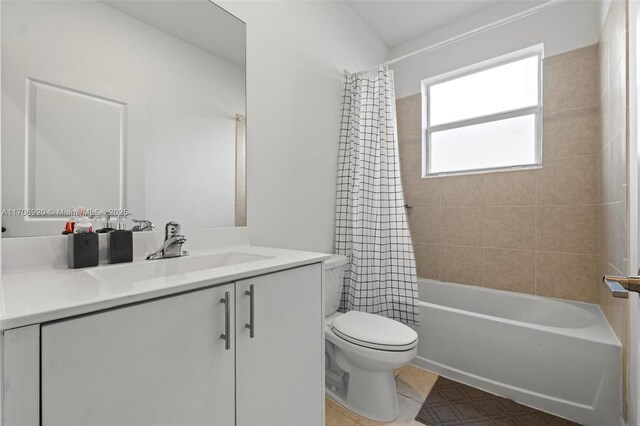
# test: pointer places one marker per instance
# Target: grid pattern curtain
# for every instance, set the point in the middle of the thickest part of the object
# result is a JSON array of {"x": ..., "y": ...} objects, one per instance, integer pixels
[{"x": 371, "y": 222}]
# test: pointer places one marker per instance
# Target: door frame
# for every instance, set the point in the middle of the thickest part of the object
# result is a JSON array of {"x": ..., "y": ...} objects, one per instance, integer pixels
[{"x": 633, "y": 406}]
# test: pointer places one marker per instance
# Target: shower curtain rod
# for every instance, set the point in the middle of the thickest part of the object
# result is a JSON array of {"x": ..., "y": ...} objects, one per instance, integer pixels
[{"x": 471, "y": 33}]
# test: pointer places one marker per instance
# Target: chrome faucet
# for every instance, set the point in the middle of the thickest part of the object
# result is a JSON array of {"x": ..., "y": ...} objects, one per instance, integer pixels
[{"x": 172, "y": 246}]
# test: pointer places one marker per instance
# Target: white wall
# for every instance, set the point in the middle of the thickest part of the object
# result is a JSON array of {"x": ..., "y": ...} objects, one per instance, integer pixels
[
  {"x": 296, "y": 52},
  {"x": 563, "y": 27},
  {"x": 182, "y": 103}
]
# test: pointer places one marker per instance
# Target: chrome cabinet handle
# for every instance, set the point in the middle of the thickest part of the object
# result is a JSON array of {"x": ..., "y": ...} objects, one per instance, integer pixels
[
  {"x": 252, "y": 324},
  {"x": 227, "y": 322}
]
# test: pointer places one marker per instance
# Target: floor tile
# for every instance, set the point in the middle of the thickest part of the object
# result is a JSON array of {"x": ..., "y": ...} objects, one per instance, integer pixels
[
  {"x": 408, "y": 412},
  {"x": 397, "y": 371},
  {"x": 333, "y": 417},
  {"x": 329, "y": 403},
  {"x": 415, "y": 383}
]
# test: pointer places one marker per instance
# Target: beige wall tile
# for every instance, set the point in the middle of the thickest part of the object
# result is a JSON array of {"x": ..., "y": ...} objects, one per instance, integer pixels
[
  {"x": 425, "y": 223},
  {"x": 479, "y": 228},
  {"x": 427, "y": 260},
  {"x": 613, "y": 174},
  {"x": 509, "y": 188},
  {"x": 509, "y": 227},
  {"x": 616, "y": 181},
  {"x": 462, "y": 226},
  {"x": 604, "y": 234},
  {"x": 616, "y": 311},
  {"x": 618, "y": 98},
  {"x": 463, "y": 265},
  {"x": 571, "y": 80},
  {"x": 614, "y": 308},
  {"x": 569, "y": 181},
  {"x": 567, "y": 276},
  {"x": 422, "y": 192},
  {"x": 604, "y": 45},
  {"x": 512, "y": 270},
  {"x": 605, "y": 118},
  {"x": 409, "y": 118},
  {"x": 411, "y": 159},
  {"x": 604, "y": 175},
  {"x": 573, "y": 132},
  {"x": 571, "y": 229},
  {"x": 462, "y": 190},
  {"x": 618, "y": 235},
  {"x": 613, "y": 231}
]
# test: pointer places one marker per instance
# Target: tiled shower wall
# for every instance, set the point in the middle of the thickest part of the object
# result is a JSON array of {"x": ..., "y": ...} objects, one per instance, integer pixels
[
  {"x": 613, "y": 169},
  {"x": 531, "y": 231}
]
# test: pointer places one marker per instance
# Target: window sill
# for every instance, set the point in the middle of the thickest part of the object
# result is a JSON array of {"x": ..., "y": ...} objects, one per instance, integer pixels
[{"x": 483, "y": 171}]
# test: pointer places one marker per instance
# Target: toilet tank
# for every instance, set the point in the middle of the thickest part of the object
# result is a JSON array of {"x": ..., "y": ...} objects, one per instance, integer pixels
[{"x": 333, "y": 283}]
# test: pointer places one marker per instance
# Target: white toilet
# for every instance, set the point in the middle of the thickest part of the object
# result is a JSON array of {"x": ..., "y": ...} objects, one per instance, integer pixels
[{"x": 362, "y": 350}]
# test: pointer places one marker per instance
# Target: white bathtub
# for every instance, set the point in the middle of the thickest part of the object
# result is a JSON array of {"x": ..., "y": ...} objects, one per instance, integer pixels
[{"x": 557, "y": 356}]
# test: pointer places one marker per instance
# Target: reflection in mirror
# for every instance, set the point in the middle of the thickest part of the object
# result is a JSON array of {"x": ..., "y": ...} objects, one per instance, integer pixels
[{"x": 122, "y": 106}]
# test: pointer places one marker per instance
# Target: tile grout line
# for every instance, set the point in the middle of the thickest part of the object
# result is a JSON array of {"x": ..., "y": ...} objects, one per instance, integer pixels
[
  {"x": 574, "y": 109},
  {"x": 535, "y": 243},
  {"x": 484, "y": 245},
  {"x": 567, "y": 157},
  {"x": 440, "y": 212},
  {"x": 439, "y": 245},
  {"x": 467, "y": 206},
  {"x": 483, "y": 211},
  {"x": 576, "y": 253}
]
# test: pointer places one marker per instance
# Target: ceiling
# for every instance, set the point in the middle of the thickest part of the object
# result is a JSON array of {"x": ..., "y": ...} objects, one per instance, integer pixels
[
  {"x": 399, "y": 21},
  {"x": 200, "y": 23}
]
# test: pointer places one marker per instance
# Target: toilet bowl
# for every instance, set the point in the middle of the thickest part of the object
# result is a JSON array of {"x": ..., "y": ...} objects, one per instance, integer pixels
[{"x": 361, "y": 352}]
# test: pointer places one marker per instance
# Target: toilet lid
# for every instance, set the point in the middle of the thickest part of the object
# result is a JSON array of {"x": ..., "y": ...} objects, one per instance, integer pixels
[{"x": 374, "y": 331}]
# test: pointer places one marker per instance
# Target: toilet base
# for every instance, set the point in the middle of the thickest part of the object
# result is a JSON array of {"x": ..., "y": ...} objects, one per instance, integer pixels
[
  {"x": 361, "y": 378},
  {"x": 369, "y": 394}
]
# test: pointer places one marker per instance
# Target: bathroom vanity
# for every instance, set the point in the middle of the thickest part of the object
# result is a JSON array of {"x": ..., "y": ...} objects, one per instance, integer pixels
[
  {"x": 229, "y": 335},
  {"x": 139, "y": 108}
]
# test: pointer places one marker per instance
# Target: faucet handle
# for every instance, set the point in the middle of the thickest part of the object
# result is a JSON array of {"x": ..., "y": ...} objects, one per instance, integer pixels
[
  {"x": 143, "y": 225},
  {"x": 172, "y": 229}
]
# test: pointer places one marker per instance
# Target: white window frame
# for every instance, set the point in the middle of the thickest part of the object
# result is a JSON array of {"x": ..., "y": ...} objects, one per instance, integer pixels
[{"x": 537, "y": 50}]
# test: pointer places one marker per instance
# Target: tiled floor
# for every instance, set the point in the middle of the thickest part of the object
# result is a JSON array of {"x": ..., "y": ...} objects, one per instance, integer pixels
[{"x": 413, "y": 385}]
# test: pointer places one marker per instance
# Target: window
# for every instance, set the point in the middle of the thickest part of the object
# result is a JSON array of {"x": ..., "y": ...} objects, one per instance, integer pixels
[{"x": 485, "y": 117}]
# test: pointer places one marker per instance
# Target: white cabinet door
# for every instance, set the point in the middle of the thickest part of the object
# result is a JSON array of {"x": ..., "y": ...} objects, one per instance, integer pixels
[
  {"x": 21, "y": 376},
  {"x": 279, "y": 370},
  {"x": 162, "y": 362}
]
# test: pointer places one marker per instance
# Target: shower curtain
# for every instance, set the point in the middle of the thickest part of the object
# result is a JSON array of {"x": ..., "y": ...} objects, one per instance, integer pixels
[{"x": 371, "y": 222}]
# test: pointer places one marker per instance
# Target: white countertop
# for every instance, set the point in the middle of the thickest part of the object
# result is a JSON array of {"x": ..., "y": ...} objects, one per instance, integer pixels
[{"x": 45, "y": 294}]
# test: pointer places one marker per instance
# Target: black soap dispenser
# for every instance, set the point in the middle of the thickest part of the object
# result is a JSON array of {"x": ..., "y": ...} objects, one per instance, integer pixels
[
  {"x": 82, "y": 245},
  {"x": 120, "y": 244}
]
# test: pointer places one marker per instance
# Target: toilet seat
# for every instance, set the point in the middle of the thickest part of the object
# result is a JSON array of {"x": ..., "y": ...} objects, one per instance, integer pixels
[{"x": 374, "y": 331}]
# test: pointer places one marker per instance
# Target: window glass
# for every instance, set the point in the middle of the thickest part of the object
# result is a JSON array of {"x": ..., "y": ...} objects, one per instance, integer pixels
[
  {"x": 485, "y": 117},
  {"x": 488, "y": 145},
  {"x": 502, "y": 88}
]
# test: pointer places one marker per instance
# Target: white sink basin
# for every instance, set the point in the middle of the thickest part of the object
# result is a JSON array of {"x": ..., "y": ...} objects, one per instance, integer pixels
[{"x": 170, "y": 267}]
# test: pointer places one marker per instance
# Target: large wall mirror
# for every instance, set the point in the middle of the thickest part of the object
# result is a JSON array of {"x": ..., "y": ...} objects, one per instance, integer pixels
[{"x": 121, "y": 106}]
